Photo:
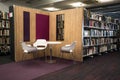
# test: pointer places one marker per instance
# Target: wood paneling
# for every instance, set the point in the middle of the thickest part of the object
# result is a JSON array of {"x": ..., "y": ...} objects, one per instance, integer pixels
[
  {"x": 72, "y": 31},
  {"x": 18, "y": 21}
]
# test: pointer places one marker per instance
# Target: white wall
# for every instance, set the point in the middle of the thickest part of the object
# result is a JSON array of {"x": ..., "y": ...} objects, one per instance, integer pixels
[{"x": 4, "y": 7}]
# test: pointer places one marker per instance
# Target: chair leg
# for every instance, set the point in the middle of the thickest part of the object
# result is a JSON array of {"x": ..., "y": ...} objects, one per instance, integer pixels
[
  {"x": 73, "y": 58},
  {"x": 35, "y": 54},
  {"x": 23, "y": 57},
  {"x": 61, "y": 55},
  {"x": 45, "y": 56}
]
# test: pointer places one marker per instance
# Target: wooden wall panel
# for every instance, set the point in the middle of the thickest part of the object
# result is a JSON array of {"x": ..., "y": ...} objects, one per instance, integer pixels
[
  {"x": 18, "y": 16},
  {"x": 72, "y": 31}
]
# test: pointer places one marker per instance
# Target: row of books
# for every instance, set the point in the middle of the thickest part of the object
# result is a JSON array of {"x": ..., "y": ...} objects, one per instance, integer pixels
[
  {"x": 99, "y": 33},
  {"x": 60, "y": 31},
  {"x": 4, "y": 24},
  {"x": 60, "y": 24},
  {"x": 103, "y": 49},
  {"x": 60, "y": 27},
  {"x": 4, "y": 49},
  {"x": 100, "y": 41},
  {"x": 95, "y": 50},
  {"x": 60, "y": 17},
  {"x": 4, "y": 15},
  {"x": 60, "y": 37},
  {"x": 90, "y": 51},
  {"x": 4, "y": 32},
  {"x": 4, "y": 41},
  {"x": 96, "y": 16},
  {"x": 101, "y": 25},
  {"x": 111, "y": 47}
]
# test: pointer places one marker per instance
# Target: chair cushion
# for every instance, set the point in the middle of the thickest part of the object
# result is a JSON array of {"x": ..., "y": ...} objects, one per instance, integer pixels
[{"x": 66, "y": 49}]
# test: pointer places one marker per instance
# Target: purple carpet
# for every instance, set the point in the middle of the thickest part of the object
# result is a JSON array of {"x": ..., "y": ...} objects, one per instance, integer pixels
[{"x": 28, "y": 70}]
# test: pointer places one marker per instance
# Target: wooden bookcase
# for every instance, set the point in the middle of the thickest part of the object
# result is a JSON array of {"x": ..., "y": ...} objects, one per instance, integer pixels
[{"x": 4, "y": 33}]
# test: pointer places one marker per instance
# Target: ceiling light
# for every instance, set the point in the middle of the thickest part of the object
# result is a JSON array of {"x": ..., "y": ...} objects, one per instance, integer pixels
[
  {"x": 51, "y": 9},
  {"x": 77, "y": 4},
  {"x": 102, "y": 1}
]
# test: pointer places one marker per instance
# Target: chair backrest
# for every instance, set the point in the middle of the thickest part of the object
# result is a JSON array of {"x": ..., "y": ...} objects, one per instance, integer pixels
[
  {"x": 24, "y": 46},
  {"x": 40, "y": 44},
  {"x": 27, "y": 49},
  {"x": 72, "y": 46},
  {"x": 68, "y": 48}
]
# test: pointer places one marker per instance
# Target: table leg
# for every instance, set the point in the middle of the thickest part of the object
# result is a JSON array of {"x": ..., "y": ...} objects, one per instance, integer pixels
[
  {"x": 51, "y": 60},
  {"x": 50, "y": 53}
]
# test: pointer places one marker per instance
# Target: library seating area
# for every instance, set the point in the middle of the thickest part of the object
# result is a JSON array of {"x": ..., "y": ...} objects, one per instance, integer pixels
[
  {"x": 59, "y": 39},
  {"x": 94, "y": 34}
]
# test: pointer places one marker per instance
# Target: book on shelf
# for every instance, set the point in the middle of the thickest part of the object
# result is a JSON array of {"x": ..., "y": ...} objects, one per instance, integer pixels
[
  {"x": 85, "y": 51},
  {"x": 3, "y": 23},
  {"x": 102, "y": 48},
  {"x": 0, "y": 40},
  {"x": 8, "y": 41},
  {"x": 86, "y": 42},
  {"x": 115, "y": 40},
  {"x": 7, "y": 24},
  {"x": 86, "y": 33},
  {"x": 4, "y": 15},
  {"x": 92, "y": 42},
  {"x": 1, "y": 32},
  {"x": 94, "y": 16},
  {"x": 93, "y": 23},
  {"x": 62, "y": 17},
  {"x": 86, "y": 22},
  {"x": 94, "y": 33},
  {"x": 0, "y": 24},
  {"x": 95, "y": 50},
  {"x": 91, "y": 50}
]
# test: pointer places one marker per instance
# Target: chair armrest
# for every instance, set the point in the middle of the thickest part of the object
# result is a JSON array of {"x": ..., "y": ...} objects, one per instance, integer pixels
[
  {"x": 29, "y": 45},
  {"x": 67, "y": 45}
]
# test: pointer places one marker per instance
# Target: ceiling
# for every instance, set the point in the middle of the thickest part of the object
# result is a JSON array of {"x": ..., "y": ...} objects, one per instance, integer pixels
[{"x": 108, "y": 8}]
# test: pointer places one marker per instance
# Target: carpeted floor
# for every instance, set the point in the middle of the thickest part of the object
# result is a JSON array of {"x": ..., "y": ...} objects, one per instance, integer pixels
[
  {"x": 28, "y": 70},
  {"x": 104, "y": 67}
]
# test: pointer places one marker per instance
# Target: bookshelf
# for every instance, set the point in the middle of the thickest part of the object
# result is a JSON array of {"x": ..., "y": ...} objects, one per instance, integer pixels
[
  {"x": 4, "y": 33},
  {"x": 99, "y": 33},
  {"x": 60, "y": 27}
]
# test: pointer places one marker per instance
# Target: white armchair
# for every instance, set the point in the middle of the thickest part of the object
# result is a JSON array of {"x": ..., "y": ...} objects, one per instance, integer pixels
[
  {"x": 28, "y": 49},
  {"x": 68, "y": 49},
  {"x": 40, "y": 44}
]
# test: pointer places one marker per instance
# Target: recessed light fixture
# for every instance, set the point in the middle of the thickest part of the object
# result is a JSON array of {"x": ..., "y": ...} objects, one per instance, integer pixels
[
  {"x": 102, "y": 1},
  {"x": 51, "y": 9},
  {"x": 77, "y": 4}
]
